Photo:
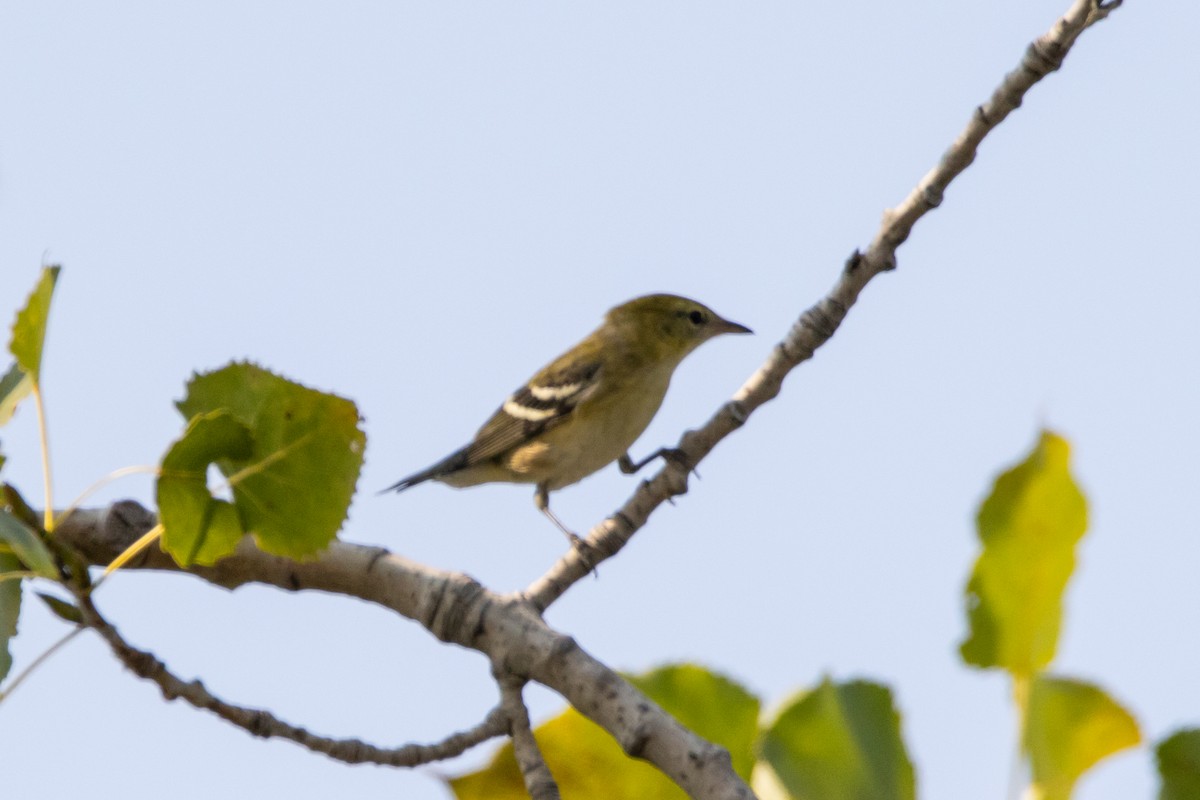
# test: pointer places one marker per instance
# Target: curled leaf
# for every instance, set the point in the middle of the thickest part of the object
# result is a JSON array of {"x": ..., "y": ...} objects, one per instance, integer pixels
[
  {"x": 199, "y": 528},
  {"x": 293, "y": 484}
]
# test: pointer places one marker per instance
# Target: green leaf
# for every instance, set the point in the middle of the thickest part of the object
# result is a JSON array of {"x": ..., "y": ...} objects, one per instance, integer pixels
[
  {"x": 840, "y": 742},
  {"x": 1029, "y": 526},
  {"x": 1179, "y": 765},
  {"x": 292, "y": 491},
  {"x": 10, "y": 609},
  {"x": 26, "y": 546},
  {"x": 62, "y": 609},
  {"x": 12, "y": 501},
  {"x": 29, "y": 330},
  {"x": 586, "y": 761},
  {"x": 1069, "y": 726},
  {"x": 14, "y": 387},
  {"x": 197, "y": 527}
]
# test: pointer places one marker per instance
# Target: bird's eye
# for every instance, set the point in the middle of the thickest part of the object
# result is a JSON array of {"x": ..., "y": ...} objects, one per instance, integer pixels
[{"x": 696, "y": 317}]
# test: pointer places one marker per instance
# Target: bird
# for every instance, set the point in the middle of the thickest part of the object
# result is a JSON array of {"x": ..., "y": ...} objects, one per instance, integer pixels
[{"x": 584, "y": 409}]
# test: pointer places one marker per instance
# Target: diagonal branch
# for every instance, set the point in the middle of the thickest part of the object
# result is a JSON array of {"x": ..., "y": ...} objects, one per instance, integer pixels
[{"x": 816, "y": 325}]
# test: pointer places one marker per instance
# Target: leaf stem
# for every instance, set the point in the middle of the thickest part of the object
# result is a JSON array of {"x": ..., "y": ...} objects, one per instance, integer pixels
[
  {"x": 147, "y": 538},
  {"x": 17, "y": 575},
  {"x": 100, "y": 484},
  {"x": 1017, "y": 777},
  {"x": 44, "y": 438}
]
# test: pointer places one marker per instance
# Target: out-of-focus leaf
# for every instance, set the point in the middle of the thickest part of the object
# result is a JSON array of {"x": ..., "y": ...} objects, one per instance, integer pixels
[
  {"x": 840, "y": 742},
  {"x": 1029, "y": 526},
  {"x": 197, "y": 527},
  {"x": 1069, "y": 726},
  {"x": 766, "y": 784},
  {"x": 10, "y": 609},
  {"x": 62, "y": 609},
  {"x": 293, "y": 489},
  {"x": 14, "y": 387},
  {"x": 587, "y": 763},
  {"x": 12, "y": 501},
  {"x": 1179, "y": 765},
  {"x": 26, "y": 546},
  {"x": 29, "y": 330}
]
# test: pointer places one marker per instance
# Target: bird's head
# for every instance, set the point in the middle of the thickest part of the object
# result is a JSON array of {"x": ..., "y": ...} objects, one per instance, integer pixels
[{"x": 672, "y": 326}]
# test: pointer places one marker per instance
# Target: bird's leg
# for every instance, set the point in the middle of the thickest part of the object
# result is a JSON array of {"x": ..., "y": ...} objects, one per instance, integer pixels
[
  {"x": 541, "y": 499},
  {"x": 628, "y": 467}
]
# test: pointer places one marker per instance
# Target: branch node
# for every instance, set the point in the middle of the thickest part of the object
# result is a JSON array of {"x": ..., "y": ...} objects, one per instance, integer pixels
[
  {"x": 815, "y": 320},
  {"x": 737, "y": 412},
  {"x": 635, "y": 744},
  {"x": 854, "y": 262},
  {"x": 619, "y": 517},
  {"x": 1041, "y": 58},
  {"x": 455, "y": 601},
  {"x": 932, "y": 195},
  {"x": 677, "y": 481},
  {"x": 563, "y": 646}
]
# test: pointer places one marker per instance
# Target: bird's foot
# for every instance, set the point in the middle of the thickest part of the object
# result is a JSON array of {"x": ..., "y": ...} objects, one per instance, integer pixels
[{"x": 672, "y": 455}]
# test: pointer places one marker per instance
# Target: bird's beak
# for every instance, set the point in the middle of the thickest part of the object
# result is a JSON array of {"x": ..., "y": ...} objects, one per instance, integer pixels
[{"x": 725, "y": 326}]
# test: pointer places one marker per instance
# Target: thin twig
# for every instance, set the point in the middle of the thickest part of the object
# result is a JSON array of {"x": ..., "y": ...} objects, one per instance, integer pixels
[{"x": 259, "y": 722}]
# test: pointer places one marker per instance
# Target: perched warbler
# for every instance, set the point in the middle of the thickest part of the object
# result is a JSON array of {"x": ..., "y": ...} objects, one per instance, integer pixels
[{"x": 582, "y": 411}]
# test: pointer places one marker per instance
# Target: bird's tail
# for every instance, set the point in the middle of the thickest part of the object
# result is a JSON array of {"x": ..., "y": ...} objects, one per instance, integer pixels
[{"x": 451, "y": 463}]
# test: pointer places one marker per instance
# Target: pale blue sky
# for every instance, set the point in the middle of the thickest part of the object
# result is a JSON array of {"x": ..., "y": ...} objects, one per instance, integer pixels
[{"x": 416, "y": 205}]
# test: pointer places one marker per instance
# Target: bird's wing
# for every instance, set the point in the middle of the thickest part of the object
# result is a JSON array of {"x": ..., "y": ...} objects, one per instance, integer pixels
[{"x": 545, "y": 401}]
